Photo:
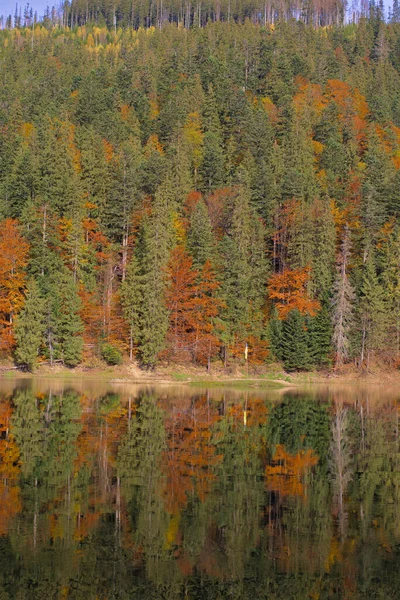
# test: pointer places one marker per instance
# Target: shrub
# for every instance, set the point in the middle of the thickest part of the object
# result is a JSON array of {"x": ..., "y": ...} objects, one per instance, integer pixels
[{"x": 111, "y": 354}]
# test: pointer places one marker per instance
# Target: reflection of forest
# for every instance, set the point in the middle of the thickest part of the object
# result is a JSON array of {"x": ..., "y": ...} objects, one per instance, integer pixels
[{"x": 209, "y": 495}]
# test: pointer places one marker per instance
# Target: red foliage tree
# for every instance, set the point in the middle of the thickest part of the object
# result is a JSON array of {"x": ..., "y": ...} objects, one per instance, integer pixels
[
  {"x": 193, "y": 308},
  {"x": 13, "y": 260},
  {"x": 289, "y": 291}
]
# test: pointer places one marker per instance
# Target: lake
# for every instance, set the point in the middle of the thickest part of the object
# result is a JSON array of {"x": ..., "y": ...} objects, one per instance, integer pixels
[{"x": 138, "y": 492}]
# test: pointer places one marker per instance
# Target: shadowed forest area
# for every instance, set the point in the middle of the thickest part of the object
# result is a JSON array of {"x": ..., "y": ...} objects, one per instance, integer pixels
[{"x": 179, "y": 194}]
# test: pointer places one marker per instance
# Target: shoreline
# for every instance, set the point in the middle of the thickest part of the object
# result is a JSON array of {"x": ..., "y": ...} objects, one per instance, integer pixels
[{"x": 197, "y": 377}]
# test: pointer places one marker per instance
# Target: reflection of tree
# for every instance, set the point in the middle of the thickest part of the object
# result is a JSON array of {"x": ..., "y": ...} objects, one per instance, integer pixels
[
  {"x": 236, "y": 505},
  {"x": 341, "y": 461},
  {"x": 45, "y": 429},
  {"x": 190, "y": 456},
  {"x": 296, "y": 479},
  {"x": 10, "y": 501},
  {"x": 139, "y": 468}
]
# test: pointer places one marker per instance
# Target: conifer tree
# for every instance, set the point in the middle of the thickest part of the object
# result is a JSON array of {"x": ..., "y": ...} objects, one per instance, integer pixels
[
  {"x": 200, "y": 242},
  {"x": 131, "y": 300},
  {"x": 342, "y": 301},
  {"x": 157, "y": 238},
  {"x": 294, "y": 343},
  {"x": 274, "y": 334},
  {"x": 29, "y": 328},
  {"x": 213, "y": 161},
  {"x": 63, "y": 324},
  {"x": 390, "y": 262},
  {"x": 373, "y": 319},
  {"x": 320, "y": 336}
]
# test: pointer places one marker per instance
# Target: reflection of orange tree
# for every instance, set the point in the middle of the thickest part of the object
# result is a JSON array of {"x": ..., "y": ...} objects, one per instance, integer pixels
[
  {"x": 252, "y": 411},
  {"x": 10, "y": 502},
  {"x": 285, "y": 474},
  {"x": 97, "y": 451},
  {"x": 190, "y": 456}
]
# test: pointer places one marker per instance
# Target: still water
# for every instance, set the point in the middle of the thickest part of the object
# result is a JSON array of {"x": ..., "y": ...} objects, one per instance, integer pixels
[{"x": 124, "y": 492}]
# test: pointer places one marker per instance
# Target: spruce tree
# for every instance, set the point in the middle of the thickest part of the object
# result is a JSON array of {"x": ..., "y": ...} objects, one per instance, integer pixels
[
  {"x": 29, "y": 328},
  {"x": 157, "y": 237},
  {"x": 295, "y": 343},
  {"x": 372, "y": 314},
  {"x": 274, "y": 334},
  {"x": 342, "y": 303},
  {"x": 320, "y": 336},
  {"x": 63, "y": 324},
  {"x": 200, "y": 239},
  {"x": 131, "y": 300}
]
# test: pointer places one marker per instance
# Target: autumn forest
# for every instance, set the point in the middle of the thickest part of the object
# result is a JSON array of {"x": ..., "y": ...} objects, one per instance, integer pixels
[{"x": 176, "y": 195}]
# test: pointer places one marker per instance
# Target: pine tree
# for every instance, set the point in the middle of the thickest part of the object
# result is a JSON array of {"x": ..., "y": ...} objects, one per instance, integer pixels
[
  {"x": 295, "y": 344},
  {"x": 29, "y": 328}
]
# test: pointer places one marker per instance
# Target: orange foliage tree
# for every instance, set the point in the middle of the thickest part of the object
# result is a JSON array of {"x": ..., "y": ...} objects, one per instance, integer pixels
[
  {"x": 13, "y": 260},
  {"x": 193, "y": 308},
  {"x": 288, "y": 290}
]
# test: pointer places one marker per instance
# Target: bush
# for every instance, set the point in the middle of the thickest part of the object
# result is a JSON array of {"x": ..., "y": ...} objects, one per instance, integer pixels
[{"x": 111, "y": 354}]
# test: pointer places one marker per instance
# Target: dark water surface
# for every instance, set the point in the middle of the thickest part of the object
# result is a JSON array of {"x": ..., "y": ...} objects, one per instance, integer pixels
[{"x": 160, "y": 493}]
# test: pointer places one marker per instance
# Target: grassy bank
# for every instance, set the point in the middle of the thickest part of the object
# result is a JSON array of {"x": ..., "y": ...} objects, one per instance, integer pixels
[{"x": 268, "y": 377}]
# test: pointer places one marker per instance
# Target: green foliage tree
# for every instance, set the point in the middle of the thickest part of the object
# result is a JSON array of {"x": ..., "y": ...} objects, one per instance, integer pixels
[
  {"x": 29, "y": 329},
  {"x": 295, "y": 344}
]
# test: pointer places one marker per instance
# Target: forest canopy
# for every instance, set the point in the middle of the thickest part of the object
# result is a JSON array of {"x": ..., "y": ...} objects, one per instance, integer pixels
[{"x": 183, "y": 193}]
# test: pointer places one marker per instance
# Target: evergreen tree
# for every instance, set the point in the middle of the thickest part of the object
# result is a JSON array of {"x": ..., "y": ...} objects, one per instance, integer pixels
[
  {"x": 320, "y": 336},
  {"x": 29, "y": 328},
  {"x": 295, "y": 343},
  {"x": 157, "y": 238},
  {"x": 342, "y": 301},
  {"x": 211, "y": 170},
  {"x": 274, "y": 334},
  {"x": 131, "y": 299},
  {"x": 200, "y": 242},
  {"x": 372, "y": 314}
]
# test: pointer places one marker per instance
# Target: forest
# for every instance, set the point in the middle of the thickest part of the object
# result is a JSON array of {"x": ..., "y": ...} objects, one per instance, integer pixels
[{"x": 201, "y": 195}]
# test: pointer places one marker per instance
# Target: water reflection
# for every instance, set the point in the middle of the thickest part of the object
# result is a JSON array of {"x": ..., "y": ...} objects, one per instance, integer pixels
[{"x": 169, "y": 493}]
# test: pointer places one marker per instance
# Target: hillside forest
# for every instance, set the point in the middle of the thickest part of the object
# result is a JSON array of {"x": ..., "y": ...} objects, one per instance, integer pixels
[{"x": 201, "y": 195}]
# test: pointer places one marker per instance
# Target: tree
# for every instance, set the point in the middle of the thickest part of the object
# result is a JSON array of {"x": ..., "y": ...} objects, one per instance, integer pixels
[
  {"x": 193, "y": 308},
  {"x": 320, "y": 336},
  {"x": 342, "y": 302},
  {"x": 131, "y": 302},
  {"x": 156, "y": 238},
  {"x": 180, "y": 298},
  {"x": 30, "y": 327},
  {"x": 200, "y": 241},
  {"x": 295, "y": 348},
  {"x": 372, "y": 311},
  {"x": 13, "y": 261},
  {"x": 63, "y": 324},
  {"x": 289, "y": 291}
]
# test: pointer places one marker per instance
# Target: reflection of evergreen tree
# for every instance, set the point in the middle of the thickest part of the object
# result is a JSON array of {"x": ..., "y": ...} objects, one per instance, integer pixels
[
  {"x": 301, "y": 422},
  {"x": 139, "y": 467},
  {"x": 238, "y": 495}
]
